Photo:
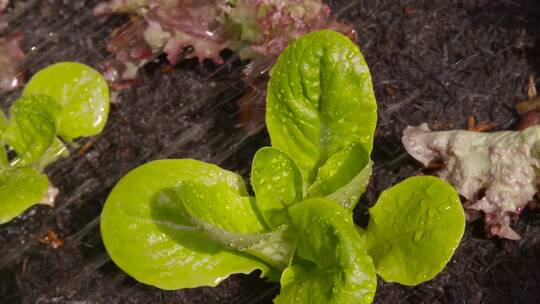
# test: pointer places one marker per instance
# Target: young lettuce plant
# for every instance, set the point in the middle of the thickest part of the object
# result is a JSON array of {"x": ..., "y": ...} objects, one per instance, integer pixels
[
  {"x": 184, "y": 223},
  {"x": 60, "y": 103}
]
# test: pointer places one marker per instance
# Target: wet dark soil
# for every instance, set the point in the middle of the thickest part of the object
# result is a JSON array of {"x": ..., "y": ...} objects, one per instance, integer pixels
[{"x": 434, "y": 61}]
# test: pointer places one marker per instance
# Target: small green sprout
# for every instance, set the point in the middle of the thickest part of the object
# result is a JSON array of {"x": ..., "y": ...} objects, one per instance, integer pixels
[
  {"x": 185, "y": 223},
  {"x": 60, "y": 103}
]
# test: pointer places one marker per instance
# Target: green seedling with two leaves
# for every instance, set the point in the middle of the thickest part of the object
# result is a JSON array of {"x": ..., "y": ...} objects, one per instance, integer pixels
[
  {"x": 62, "y": 102},
  {"x": 184, "y": 223}
]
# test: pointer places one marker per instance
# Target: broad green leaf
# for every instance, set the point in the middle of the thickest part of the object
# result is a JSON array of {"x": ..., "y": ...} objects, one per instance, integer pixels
[
  {"x": 275, "y": 248},
  {"x": 228, "y": 216},
  {"x": 335, "y": 267},
  {"x": 31, "y": 128},
  {"x": 218, "y": 203},
  {"x": 344, "y": 177},
  {"x": 147, "y": 235},
  {"x": 320, "y": 99},
  {"x": 81, "y": 91},
  {"x": 414, "y": 229},
  {"x": 277, "y": 183},
  {"x": 21, "y": 189}
]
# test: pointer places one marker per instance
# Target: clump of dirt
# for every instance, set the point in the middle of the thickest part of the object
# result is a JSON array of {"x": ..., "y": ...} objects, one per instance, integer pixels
[{"x": 434, "y": 61}]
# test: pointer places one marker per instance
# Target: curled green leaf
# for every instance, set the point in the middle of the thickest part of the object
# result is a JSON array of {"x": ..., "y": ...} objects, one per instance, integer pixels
[
  {"x": 414, "y": 229},
  {"x": 82, "y": 93},
  {"x": 333, "y": 264},
  {"x": 31, "y": 128},
  {"x": 344, "y": 176},
  {"x": 147, "y": 235},
  {"x": 276, "y": 248},
  {"x": 20, "y": 189},
  {"x": 226, "y": 213},
  {"x": 320, "y": 99},
  {"x": 277, "y": 183}
]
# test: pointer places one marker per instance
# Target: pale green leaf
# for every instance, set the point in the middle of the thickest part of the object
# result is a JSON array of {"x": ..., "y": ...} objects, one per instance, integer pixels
[
  {"x": 344, "y": 177},
  {"x": 147, "y": 235},
  {"x": 20, "y": 189},
  {"x": 31, "y": 128},
  {"x": 82, "y": 93},
  {"x": 219, "y": 203},
  {"x": 320, "y": 99},
  {"x": 277, "y": 183},
  {"x": 333, "y": 264},
  {"x": 227, "y": 214},
  {"x": 414, "y": 229},
  {"x": 276, "y": 248}
]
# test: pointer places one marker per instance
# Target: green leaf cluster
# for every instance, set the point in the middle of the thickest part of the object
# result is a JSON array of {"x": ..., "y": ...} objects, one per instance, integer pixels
[
  {"x": 60, "y": 103},
  {"x": 185, "y": 223}
]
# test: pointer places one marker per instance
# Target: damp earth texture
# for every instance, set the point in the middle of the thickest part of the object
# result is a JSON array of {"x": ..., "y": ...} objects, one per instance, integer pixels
[{"x": 435, "y": 61}]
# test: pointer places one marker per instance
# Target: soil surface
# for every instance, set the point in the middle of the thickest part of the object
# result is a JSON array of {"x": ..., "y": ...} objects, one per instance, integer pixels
[{"x": 434, "y": 61}]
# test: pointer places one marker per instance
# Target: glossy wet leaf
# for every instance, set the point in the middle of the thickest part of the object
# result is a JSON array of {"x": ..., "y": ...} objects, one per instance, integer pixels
[
  {"x": 228, "y": 216},
  {"x": 276, "y": 248},
  {"x": 147, "y": 235},
  {"x": 31, "y": 128},
  {"x": 82, "y": 93},
  {"x": 414, "y": 229},
  {"x": 277, "y": 183},
  {"x": 344, "y": 176},
  {"x": 334, "y": 266},
  {"x": 320, "y": 99},
  {"x": 219, "y": 203},
  {"x": 20, "y": 189}
]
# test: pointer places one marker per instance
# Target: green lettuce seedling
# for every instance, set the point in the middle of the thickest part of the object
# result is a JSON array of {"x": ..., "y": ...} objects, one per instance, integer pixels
[
  {"x": 60, "y": 103},
  {"x": 184, "y": 223}
]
